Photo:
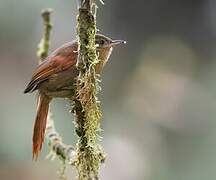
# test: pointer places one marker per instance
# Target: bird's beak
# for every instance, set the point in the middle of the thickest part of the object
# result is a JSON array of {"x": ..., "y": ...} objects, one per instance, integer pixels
[{"x": 117, "y": 42}]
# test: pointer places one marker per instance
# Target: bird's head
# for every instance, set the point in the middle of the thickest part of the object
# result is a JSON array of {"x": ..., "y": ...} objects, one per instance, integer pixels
[
  {"x": 104, "y": 47},
  {"x": 104, "y": 42}
]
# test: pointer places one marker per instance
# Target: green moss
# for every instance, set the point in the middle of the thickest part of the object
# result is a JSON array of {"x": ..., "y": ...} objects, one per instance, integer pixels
[
  {"x": 87, "y": 110},
  {"x": 43, "y": 47}
]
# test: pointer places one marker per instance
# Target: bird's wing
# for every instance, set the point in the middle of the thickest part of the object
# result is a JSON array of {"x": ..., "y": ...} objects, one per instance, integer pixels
[{"x": 52, "y": 65}]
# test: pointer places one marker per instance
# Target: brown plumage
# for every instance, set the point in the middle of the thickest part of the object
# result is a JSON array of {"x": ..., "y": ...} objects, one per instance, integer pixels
[
  {"x": 40, "y": 124},
  {"x": 55, "y": 77}
]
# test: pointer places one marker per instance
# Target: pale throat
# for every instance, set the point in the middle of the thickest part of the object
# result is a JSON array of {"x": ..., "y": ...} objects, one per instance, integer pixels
[
  {"x": 104, "y": 55},
  {"x": 107, "y": 55}
]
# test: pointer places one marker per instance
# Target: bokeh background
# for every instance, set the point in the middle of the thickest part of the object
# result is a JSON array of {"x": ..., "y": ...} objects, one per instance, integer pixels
[{"x": 159, "y": 91}]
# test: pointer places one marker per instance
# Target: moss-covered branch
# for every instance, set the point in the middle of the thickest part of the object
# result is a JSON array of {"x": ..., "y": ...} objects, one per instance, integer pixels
[
  {"x": 63, "y": 151},
  {"x": 87, "y": 107},
  {"x": 89, "y": 154},
  {"x": 43, "y": 47}
]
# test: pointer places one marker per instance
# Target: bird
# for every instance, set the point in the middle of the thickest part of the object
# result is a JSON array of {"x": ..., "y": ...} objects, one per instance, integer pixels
[{"x": 55, "y": 78}]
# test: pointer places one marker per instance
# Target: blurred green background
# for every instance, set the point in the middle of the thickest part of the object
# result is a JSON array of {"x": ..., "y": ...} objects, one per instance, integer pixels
[{"x": 159, "y": 91}]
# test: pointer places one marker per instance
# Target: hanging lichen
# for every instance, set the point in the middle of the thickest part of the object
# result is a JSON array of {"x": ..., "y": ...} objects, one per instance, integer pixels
[{"x": 87, "y": 107}]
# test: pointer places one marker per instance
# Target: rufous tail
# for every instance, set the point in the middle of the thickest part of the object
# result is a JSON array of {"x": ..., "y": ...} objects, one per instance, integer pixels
[{"x": 40, "y": 125}]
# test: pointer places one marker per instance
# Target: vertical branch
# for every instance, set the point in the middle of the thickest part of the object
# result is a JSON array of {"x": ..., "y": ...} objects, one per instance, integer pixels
[
  {"x": 43, "y": 47},
  {"x": 87, "y": 107},
  {"x": 63, "y": 151}
]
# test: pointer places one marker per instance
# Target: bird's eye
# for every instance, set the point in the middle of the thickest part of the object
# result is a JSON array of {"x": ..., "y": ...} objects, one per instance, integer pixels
[{"x": 102, "y": 42}]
